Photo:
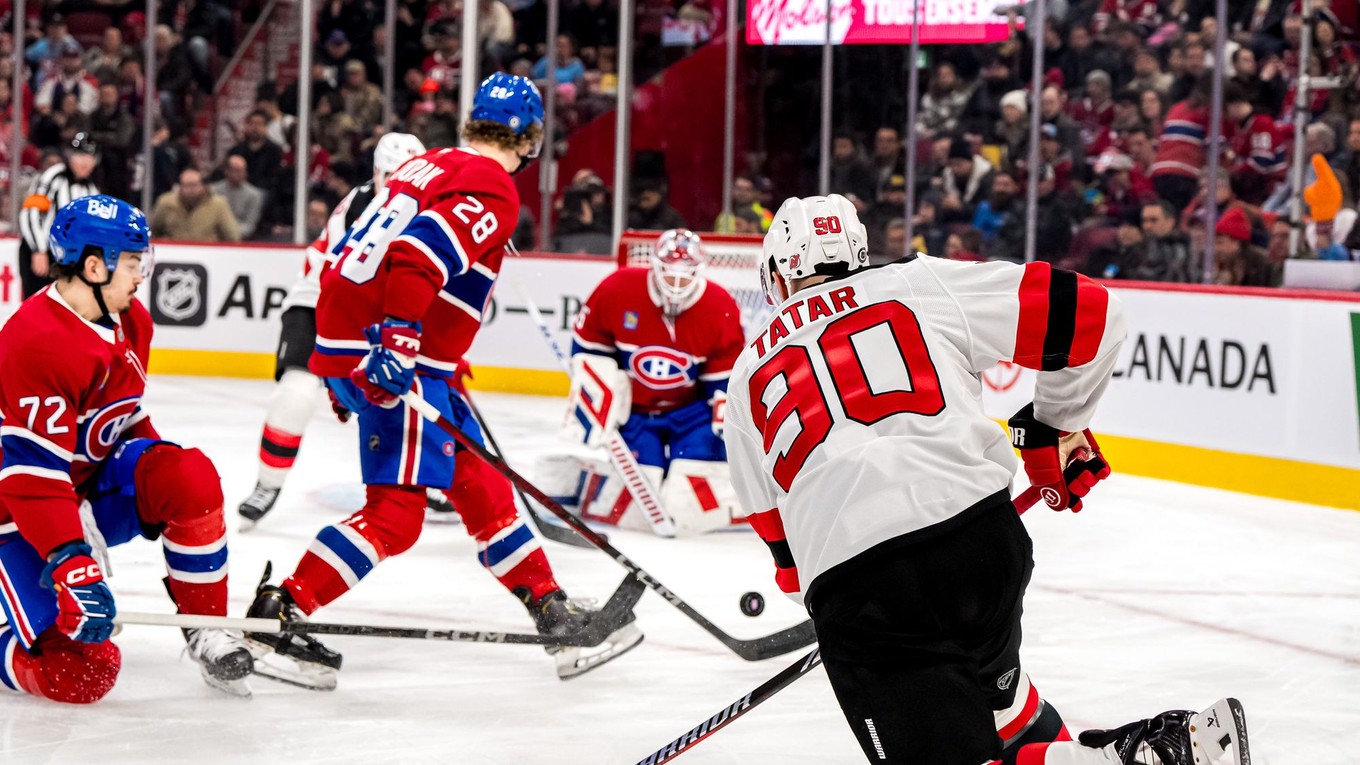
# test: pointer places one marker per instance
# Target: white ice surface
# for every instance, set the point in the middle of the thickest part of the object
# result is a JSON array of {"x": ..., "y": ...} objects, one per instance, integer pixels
[{"x": 1157, "y": 596}]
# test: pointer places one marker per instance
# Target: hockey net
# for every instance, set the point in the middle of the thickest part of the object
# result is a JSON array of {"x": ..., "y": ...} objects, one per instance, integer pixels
[{"x": 733, "y": 262}]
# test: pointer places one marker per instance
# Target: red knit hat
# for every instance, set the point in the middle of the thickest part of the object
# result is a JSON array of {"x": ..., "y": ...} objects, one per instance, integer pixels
[{"x": 1234, "y": 225}]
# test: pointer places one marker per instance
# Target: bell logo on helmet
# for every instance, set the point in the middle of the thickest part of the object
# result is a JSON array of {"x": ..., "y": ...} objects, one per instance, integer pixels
[{"x": 102, "y": 208}]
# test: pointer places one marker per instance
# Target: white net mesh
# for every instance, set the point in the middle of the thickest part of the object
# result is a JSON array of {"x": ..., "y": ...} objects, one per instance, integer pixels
[{"x": 733, "y": 262}]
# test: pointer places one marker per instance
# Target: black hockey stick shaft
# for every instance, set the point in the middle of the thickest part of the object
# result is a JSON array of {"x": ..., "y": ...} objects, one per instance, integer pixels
[
  {"x": 611, "y": 617},
  {"x": 550, "y": 530},
  {"x": 755, "y": 649},
  {"x": 731, "y": 712}
]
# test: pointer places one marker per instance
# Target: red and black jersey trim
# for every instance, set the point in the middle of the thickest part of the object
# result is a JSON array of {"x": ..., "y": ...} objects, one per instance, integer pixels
[{"x": 1062, "y": 318}]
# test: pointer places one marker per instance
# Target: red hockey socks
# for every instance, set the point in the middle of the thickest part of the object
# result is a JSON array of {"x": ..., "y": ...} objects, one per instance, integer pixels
[
  {"x": 344, "y": 553},
  {"x": 506, "y": 546},
  {"x": 278, "y": 452},
  {"x": 180, "y": 488}
]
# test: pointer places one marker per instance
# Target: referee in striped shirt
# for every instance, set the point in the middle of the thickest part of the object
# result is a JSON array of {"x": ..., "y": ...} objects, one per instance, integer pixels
[{"x": 56, "y": 186}]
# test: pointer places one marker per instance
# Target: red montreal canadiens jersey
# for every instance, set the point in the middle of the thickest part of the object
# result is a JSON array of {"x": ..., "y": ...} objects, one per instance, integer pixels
[
  {"x": 428, "y": 248},
  {"x": 69, "y": 391},
  {"x": 665, "y": 360}
]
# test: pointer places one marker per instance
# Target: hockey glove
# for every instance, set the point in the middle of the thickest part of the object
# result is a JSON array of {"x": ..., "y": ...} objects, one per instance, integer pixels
[
  {"x": 719, "y": 404},
  {"x": 342, "y": 412},
  {"x": 85, "y": 607},
  {"x": 461, "y": 373},
  {"x": 389, "y": 369},
  {"x": 1045, "y": 452}
]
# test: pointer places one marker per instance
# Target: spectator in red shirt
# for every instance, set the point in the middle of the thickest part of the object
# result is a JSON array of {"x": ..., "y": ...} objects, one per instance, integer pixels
[{"x": 1094, "y": 113}]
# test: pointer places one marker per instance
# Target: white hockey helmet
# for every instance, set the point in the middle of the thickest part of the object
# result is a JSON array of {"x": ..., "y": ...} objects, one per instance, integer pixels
[
  {"x": 677, "y": 270},
  {"x": 392, "y": 151},
  {"x": 809, "y": 237}
]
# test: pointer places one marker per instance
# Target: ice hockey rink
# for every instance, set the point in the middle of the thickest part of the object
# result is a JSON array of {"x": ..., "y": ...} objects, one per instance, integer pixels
[{"x": 1158, "y": 596}]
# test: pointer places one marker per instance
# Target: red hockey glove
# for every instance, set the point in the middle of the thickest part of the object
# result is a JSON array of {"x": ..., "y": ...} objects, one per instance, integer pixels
[
  {"x": 342, "y": 413},
  {"x": 1048, "y": 452},
  {"x": 719, "y": 404},
  {"x": 85, "y": 607},
  {"x": 461, "y": 373}
]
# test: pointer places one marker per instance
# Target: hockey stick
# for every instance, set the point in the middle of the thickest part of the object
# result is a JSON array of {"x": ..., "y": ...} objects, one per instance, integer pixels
[
  {"x": 755, "y": 649},
  {"x": 596, "y": 631},
  {"x": 765, "y": 690},
  {"x": 734, "y": 710},
  {"x": 620, "y": 456},
  {"x": 549, "y": 529}
]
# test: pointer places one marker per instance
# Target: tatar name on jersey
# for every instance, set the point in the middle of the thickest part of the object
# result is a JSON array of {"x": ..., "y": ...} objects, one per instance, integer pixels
[
  {"x": 103, "y": 372},
  {"x": 449, "y": 214},
  {"x": 665, "y": 368}
]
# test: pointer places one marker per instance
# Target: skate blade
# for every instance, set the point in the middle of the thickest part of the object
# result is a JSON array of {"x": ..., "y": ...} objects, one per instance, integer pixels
[
  {"x": 240, "y": 687},
  {"x": 281, "y": 669},
  {"x": 1219, "y": 735},
  {"x": 571, "y": 663}
]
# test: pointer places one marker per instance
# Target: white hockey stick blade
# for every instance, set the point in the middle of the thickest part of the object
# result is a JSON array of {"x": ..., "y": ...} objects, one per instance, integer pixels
[{"x": 1219, "y": 735}]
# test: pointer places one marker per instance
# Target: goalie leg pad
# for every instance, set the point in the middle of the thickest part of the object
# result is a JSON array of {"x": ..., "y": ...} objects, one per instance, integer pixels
[
  {"x": 564, "y": 478},
  {"x": 506, "y": 546},
  {"x": 344, "y": 553},
  {"x": 607, "y": 499},
  {"x": 699, "y": 496}
]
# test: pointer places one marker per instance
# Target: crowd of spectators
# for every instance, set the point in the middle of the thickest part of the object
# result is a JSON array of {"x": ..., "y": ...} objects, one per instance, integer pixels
[
  {"x": 1123, "y": 149},
  {"x": 1125, "y": 146}
]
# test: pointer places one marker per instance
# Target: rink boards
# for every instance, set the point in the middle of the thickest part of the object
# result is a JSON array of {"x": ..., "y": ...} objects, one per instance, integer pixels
[{"x": 1249, "y": 390}]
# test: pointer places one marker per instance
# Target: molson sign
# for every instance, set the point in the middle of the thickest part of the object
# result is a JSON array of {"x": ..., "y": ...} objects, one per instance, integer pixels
[{"x": 803, "y": 22}]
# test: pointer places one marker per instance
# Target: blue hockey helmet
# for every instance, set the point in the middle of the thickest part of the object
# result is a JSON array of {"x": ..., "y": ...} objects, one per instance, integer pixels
[
  {"x": 509, "y": 100},
  {"x": 110, "y": 226}
]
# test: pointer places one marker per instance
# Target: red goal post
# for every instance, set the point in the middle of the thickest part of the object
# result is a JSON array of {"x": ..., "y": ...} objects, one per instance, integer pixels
[{"x": 732, "y": 261}]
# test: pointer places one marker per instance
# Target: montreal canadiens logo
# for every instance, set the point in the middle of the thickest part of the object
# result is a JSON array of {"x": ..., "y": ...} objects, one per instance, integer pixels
[
  {"x": 661, "y": 368},
  {"x": 103, "y": 429}
]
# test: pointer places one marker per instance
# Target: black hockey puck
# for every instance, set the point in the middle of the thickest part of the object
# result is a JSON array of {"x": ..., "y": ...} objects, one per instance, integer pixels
[{"x": 752, "y": 604}]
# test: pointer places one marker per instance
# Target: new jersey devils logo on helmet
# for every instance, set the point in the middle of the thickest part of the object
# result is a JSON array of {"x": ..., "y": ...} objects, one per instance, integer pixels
[
  {"x": 661, "y": 368},
  {"x": 100, "y": 432}
]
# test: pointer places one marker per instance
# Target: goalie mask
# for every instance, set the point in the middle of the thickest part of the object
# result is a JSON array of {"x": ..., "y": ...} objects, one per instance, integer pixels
[
  {"x": 677, "y": 271},
  {"x": 813, "y": 236}
]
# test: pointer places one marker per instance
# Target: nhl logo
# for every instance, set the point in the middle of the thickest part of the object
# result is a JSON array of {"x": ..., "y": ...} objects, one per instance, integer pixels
[{"x": 179, "y": 294}]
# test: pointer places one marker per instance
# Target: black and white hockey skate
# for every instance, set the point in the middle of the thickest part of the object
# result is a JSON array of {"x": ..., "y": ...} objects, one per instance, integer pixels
[
  {"x": 1216, "y": 736},
  {"x": 260, "y": 502},
  {"x": 438, "y": 508},
  {"x": 556, "y": 614},
  {"x": 223, "y": 657},
  {"x": 299, "y": 660}
]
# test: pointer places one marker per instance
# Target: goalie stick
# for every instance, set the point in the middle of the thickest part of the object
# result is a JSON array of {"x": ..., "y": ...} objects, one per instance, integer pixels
[
  {"x": 755, "y": 649},
  {"x": 765, "y": 690},
  {"x": 549, "y": 529},
  {"x": 620, "y": 456},
  {"x": 611, "y": 617}
]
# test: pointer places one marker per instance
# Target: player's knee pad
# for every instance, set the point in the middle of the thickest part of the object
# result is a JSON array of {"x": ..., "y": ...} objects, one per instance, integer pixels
[
  {"x": 293, "y": 401},
  {"x": 178, "y": 486},
  {"x": 65, "y": 670},
  {"x": 1027, "y": 720},
  {"x": 392, "y": 518},
  {"x": 483, "y": 496},
  {"x": 698, "y": 496}
]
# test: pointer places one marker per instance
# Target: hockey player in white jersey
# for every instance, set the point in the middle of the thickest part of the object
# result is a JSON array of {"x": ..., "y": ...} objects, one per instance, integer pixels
[
  {"x": 860, "y": 449},
  {"x": 298, "y": 391}
]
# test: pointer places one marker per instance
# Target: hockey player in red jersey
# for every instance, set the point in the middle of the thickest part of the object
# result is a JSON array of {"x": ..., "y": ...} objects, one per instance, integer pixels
[
  {"x": 651, "y": 353},
  {"x": 860, "y": 447},
  {"x": 295, "y": 396},
  {"x": 83, "y": 469},
  {"x": 399, "y": 306}
]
